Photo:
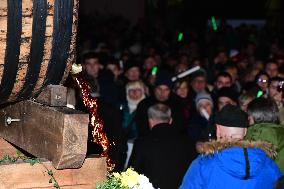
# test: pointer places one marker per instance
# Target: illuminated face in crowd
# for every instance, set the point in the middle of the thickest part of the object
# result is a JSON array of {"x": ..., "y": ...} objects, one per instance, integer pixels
[
  {"x": 162, "y": 93},
  {"x": 273, "y": 92},
  {"x": 262, "y": 82},
  {"x": 133, "y": 74},
  {"x": 182, "y": 90},
  {"x": 92, "y": 66},
  {"x": 135, "y": 93},
  {"x": 223, "y": 101},
  {"x": 271, "y": 69},
  {"x": 199, "y": 84},
  {"x": 223, "y": 82},
  {"x": 221, "y": 58},
  {"x": 149, "y": 63},
  {"x": 206, "y": 105}
]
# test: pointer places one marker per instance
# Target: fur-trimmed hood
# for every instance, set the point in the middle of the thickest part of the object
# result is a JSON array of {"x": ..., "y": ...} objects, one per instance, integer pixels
[
  {"x": 234, "y": 165},
  {"x": 241, "y": 159},
  {"x": 212, "y": 147}
]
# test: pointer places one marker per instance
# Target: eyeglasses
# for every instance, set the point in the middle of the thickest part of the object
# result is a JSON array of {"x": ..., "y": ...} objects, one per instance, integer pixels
[{"x": 260, "y": 80}]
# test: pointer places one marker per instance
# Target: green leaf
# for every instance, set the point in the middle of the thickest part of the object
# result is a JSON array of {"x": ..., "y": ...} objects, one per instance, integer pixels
[
  {"x": 50, "y": 172},
  {"x": 56, "y": 185}
]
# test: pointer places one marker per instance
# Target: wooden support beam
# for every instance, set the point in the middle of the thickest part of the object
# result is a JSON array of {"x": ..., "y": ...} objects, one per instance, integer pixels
[
  {"x": 24, "y": 175},
  {"x": 53, "y": 95},
  {"x": 58, "y": 134},
  {"x": 6, "y": 149}
]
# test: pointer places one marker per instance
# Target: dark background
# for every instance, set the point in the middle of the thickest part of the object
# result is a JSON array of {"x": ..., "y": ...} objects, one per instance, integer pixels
[{"x": 187, "y": 12}]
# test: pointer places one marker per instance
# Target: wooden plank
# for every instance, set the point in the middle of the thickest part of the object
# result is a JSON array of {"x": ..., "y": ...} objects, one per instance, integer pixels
[
  {"x": 25, "y": 176},
  {"x": 53, "y": 95},
  {"x": 6, "y": 149},
  {"x": 58, "y": 134},
  {"x": 3, "y": 34}
]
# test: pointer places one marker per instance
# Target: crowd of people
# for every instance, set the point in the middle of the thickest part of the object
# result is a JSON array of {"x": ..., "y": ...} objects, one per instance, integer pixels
[{"x": 219, "y": 127}]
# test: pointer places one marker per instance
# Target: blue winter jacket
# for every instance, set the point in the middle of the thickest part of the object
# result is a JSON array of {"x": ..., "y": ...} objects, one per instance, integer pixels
[{"x": 227, "y": 168}]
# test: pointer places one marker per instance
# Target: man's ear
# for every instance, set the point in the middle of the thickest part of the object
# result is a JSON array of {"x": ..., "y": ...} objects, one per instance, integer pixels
[
  {"x": 171, "y": 121},
  {"x": 251, "y": 120},
  {"x": 151, "y": 122},
  {"x": 245, "y": 132},
  {"x": 218, "y": 131},
  {"x": 218, "y": 126}
]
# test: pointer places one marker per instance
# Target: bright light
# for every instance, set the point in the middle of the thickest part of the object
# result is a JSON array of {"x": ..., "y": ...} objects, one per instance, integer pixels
[
  {"x": 180, "y": 37},
  {"x": 214, "y": 23}
]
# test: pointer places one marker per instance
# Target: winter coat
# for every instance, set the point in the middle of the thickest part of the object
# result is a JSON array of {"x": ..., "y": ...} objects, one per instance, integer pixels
[
  {"x": 163, "y": 156},
  {"x": 281, "y": 113},
  {"x": 270, "y": 133},
  {"x": 232, "y": 165},
  {"x": 201, "y": 129},
  {"x": 128, "y": 122}
]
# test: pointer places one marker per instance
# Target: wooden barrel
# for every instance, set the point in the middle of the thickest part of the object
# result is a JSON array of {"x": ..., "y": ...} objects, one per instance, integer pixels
[{"x": 37, "y": 45}]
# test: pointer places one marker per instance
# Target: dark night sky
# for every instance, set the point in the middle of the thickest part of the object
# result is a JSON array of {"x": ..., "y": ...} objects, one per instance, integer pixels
[{"x": 228, "y": 8}]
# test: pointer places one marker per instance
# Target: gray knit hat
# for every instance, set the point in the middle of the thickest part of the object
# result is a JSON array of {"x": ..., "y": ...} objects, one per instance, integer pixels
[{"x": 203, "y": 96}]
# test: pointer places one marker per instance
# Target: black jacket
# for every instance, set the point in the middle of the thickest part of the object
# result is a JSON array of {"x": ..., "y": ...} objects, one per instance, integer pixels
[
  {"x": 163, "y": 156},
  {"x": 174, "y": 102}
]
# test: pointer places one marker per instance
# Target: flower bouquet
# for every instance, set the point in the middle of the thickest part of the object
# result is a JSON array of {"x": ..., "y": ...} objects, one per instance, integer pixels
[{"x": 129, "y": 179}]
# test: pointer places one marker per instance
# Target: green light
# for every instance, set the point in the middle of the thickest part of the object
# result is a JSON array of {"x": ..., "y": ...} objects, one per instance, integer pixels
[
  {"x": 180, "y": 37},
  {"x": 154, "y": 70},
  {"x": 214, "y": 23},
  {"x": 259, "y": 94}
]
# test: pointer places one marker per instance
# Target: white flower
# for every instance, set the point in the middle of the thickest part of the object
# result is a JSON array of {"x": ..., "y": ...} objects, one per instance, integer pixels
[{"x": 143, "y": 183}]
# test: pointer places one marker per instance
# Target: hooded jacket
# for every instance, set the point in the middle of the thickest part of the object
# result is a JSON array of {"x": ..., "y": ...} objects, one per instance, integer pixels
[
  {"x": 232, "y": 165},
  {"x": 281, "y": 115},
  {"x": 271, "y": 133}
]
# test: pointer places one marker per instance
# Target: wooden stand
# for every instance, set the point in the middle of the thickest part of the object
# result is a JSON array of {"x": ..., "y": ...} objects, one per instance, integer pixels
[
  {"x": 25, "y": 176},
  {"x": 6, "y": 149},
  {"x": 58, "y": 134}
]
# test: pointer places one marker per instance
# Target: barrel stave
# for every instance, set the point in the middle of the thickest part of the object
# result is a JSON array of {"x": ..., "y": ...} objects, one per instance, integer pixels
[{"x": 26, "y": 83}]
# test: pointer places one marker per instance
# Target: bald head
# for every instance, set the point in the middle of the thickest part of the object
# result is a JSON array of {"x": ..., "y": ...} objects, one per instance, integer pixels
[{"x": 230, "y": 133}]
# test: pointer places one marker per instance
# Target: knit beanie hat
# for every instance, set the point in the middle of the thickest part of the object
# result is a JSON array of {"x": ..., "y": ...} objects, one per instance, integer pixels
[
  {"x": 228, "y": 92},
  {"x": 131, "y": 64},
  {"x": 232, "y": 116},
  {"x": 164, "y": 78},
  {"x": 203, "y": 96}
]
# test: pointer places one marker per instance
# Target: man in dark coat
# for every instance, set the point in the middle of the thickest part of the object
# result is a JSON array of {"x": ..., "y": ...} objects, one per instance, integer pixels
[
  {"x": 162, "y": 94},
  {"x": 164, "y": 154}
]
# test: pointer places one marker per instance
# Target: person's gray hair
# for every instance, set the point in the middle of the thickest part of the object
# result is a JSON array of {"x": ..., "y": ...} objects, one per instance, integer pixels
[{"x": 160, "y": 112}]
